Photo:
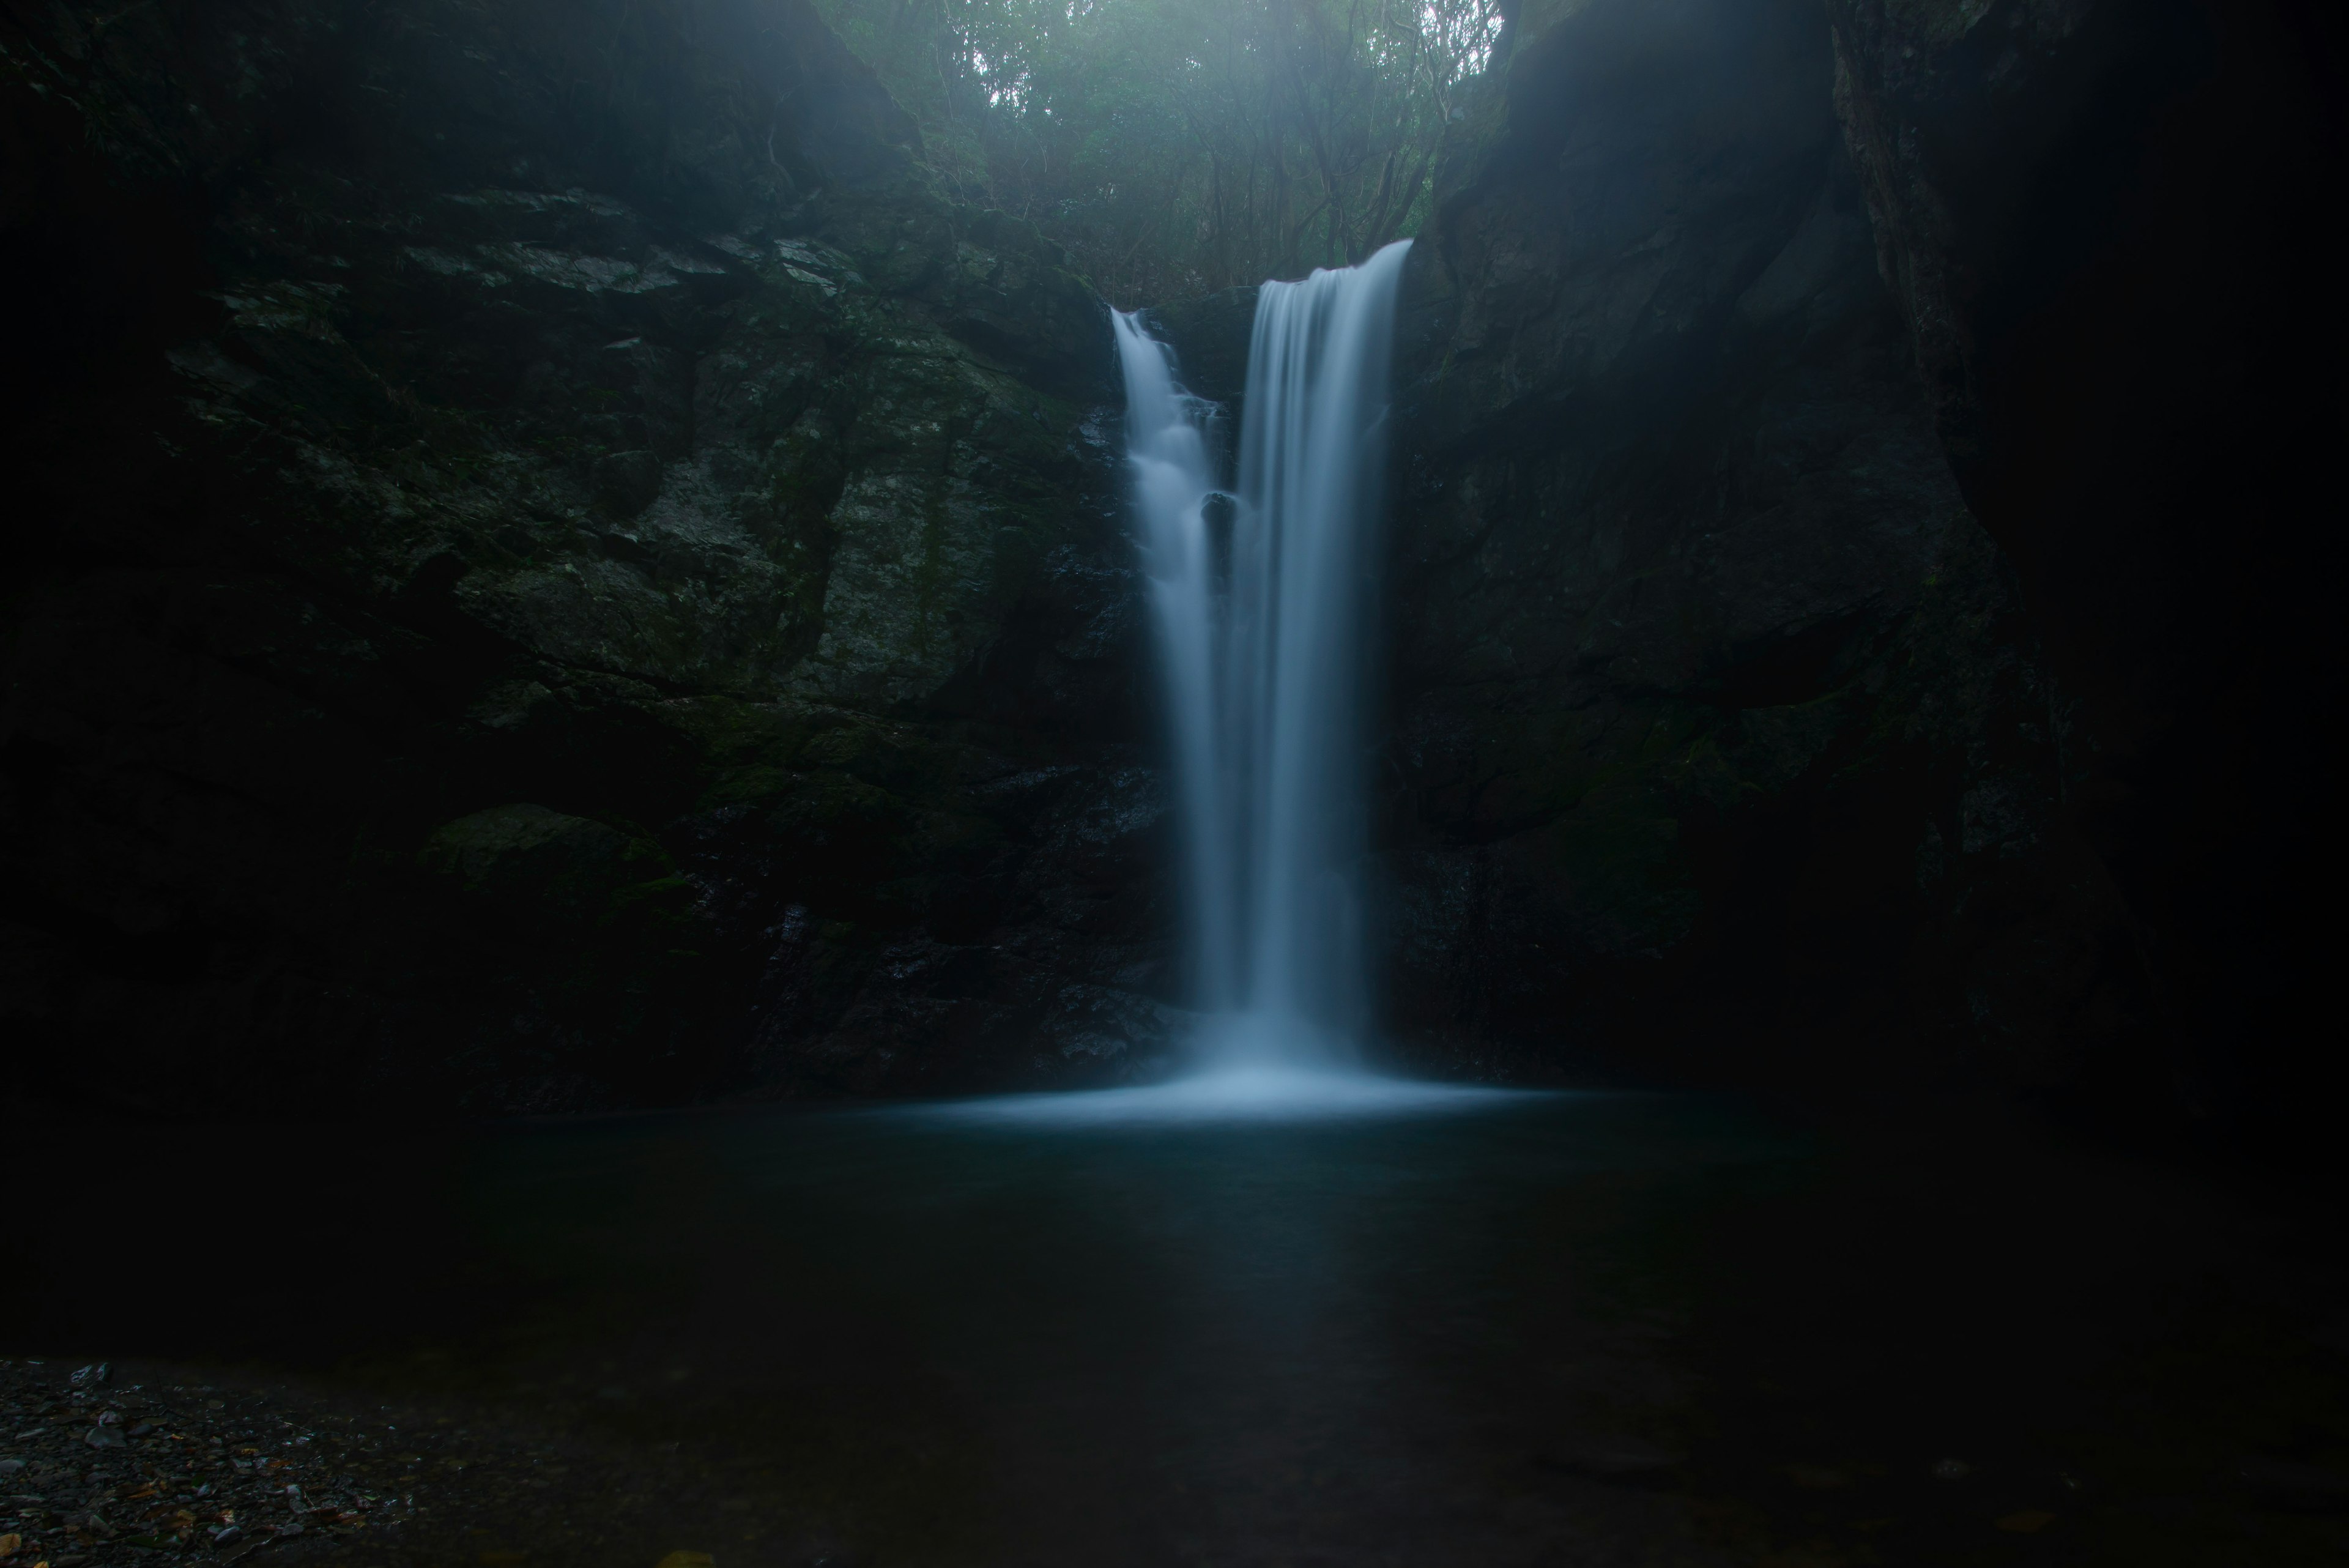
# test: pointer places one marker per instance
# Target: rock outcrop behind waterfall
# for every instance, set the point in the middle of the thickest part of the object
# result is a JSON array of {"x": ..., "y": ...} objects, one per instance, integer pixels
[{"x": 552, "y": 567}]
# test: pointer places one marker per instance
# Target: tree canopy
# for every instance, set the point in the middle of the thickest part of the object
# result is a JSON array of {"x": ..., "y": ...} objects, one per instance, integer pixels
[{"x": 1176, "y": 147}]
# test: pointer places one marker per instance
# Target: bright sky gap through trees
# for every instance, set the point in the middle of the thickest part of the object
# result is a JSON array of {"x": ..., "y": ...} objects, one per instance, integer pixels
[{"x": 1177, "y": 146}]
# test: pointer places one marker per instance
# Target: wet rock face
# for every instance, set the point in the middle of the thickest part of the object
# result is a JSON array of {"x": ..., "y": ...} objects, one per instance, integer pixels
[
  {"x": 553, "y": 568},
  {"x": 1210, "y": 337},
  {"x": 1720, "y": 741},
  {"x": 2096, "y": 219}
]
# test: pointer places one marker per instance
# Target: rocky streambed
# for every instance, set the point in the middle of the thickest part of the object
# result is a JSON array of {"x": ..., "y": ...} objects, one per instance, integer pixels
[{"x": 140, "y": 1462}]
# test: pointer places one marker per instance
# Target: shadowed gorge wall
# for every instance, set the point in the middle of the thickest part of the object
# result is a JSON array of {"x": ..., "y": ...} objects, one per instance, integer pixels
[
  {"x": 1842, "y": 627},
  {"x": 2110, "y": 231},
  {"x": 1721, "y": 738},
  {"x": 551, "y": 568}
]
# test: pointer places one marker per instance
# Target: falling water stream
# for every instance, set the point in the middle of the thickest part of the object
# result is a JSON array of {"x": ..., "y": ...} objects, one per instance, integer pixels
[{"x": 1260, "y": 599}]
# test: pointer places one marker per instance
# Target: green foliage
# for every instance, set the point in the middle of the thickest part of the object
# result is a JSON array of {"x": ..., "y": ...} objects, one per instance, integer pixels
[{"x": 1175, "y": 147}]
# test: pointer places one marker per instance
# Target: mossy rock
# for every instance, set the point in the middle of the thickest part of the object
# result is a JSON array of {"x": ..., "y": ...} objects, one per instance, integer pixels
[{"x": 554, "y": 869}]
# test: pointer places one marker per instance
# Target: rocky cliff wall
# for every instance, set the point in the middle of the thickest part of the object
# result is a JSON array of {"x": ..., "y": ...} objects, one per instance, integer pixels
[
  {"x": 1841, "y": 626},
  {"x": 1721, "y": 743},
  {"x": 2111, "y": 232},
  {"x": 549, "y": 568}
]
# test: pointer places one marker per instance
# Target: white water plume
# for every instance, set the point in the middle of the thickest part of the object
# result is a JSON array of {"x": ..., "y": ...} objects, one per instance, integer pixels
[
  {"x": 1225, "y": 1093},
  {"x": 1261, "y": 628}
]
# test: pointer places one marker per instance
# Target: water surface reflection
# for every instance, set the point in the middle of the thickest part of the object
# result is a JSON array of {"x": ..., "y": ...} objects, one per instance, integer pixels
[{"x": 1392, "y": 1322}]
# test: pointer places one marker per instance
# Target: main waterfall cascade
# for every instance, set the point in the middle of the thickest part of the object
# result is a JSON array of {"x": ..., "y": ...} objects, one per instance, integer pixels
[{"x": 1261, "y": 626}]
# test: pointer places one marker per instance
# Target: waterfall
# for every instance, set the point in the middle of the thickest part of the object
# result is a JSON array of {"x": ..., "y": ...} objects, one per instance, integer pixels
[
  {"x": 1261, "y": 599},
  {"x": 1174, "y": 490}
]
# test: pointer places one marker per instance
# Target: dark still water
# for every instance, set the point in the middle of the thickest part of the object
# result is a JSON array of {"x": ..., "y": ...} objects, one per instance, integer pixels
[{"x": 1480, "y": 1329}]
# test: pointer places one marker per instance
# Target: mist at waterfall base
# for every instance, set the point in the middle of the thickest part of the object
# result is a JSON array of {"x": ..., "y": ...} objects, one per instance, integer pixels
[{"x": 1260, "y": 597}]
